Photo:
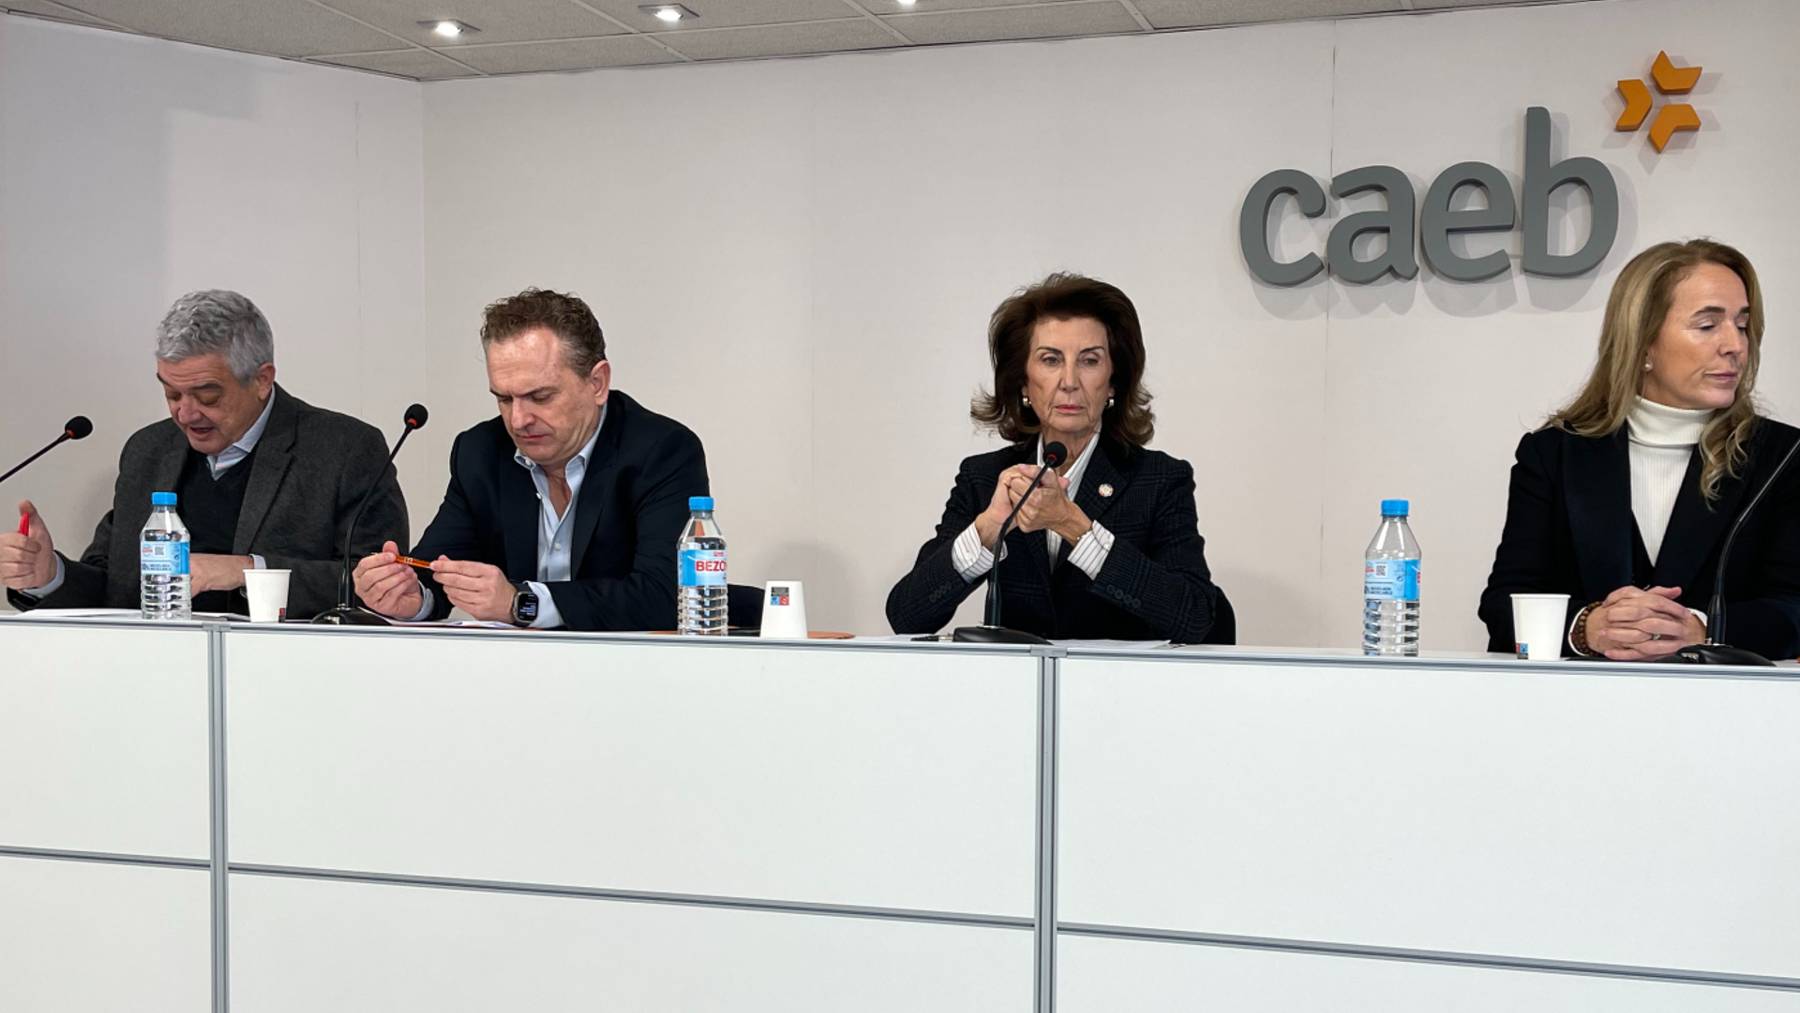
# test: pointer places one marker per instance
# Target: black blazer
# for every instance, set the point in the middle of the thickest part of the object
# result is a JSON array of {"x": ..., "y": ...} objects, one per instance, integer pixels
[
  {"x": 1569, "y": 528},
  {"x": 310, "y": 469},
  {"x": 1154, "y": 585},
  {"x": 632, "y": 506}
]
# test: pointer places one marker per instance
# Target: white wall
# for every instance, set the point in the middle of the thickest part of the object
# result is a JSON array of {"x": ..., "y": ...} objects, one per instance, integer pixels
[
  {"x": 134, "y": 170},
  {"x": 798, "y": 258}
]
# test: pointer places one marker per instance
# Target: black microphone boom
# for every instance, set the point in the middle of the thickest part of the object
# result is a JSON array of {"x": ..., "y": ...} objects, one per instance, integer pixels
[
  {"x": 990, "y": 631},
  {"x": 76, "y": 428},
  {"x": 346, "y": 614},
  {"x": 1713, "y": 652}
]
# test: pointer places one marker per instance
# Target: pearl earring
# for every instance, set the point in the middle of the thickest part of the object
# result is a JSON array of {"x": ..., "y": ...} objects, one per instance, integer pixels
[
  {"x": 1026, "y": 400},
  {"x": 1646, "y": 365},
  {"x": 1109, "y": 401}
]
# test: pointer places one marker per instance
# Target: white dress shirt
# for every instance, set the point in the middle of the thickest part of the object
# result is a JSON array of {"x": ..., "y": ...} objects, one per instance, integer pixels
[
  {"x": 972, "y": 559},
  {"x": 218, "y": 464},
  {"x": 556, "y": 534}
]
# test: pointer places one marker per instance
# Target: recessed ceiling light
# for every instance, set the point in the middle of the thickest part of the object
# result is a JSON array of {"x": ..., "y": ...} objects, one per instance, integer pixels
[
  {"x": 448, "y": 28},
  {"x": 668, "y": 13},
  {"x": 906, "y": 3}
]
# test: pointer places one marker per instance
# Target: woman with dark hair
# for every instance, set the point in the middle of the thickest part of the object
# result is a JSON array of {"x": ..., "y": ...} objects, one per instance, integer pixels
[
  {"x": 1624, "y": 497},
  {"x": 1109, "y": 546}
]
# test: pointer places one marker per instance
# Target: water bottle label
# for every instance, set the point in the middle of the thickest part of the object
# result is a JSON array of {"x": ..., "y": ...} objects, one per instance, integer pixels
[
  {"x": 169, "y": 557},
  {"x": 1391, "y": 579},
  {"x": 702, "y": 567}
]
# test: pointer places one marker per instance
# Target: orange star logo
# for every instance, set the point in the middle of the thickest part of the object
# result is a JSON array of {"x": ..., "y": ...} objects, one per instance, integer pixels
[{"x": 1673, "y": 116}]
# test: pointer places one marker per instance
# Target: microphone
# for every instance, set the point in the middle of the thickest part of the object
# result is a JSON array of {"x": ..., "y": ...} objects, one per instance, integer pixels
[
  {"x": 344, "y": 613},
  {"x": 77, "y": 428},
  {"x": 1712, "y": 652},
  {"x": 990, "y": 631}
]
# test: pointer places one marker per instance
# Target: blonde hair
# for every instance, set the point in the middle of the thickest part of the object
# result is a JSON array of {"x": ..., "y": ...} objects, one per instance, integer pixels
[{"x": 1635, "y": 311}]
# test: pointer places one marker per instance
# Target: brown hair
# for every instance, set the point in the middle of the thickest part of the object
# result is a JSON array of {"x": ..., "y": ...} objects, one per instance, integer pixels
[
  {"x": 1128, "y": 421},
  {"x": 562, "y": 314},
  {"x": 1640, "y": 301}
]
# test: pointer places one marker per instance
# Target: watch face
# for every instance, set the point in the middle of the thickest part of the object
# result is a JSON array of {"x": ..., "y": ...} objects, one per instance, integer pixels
[{"x": 525, "y": 606}]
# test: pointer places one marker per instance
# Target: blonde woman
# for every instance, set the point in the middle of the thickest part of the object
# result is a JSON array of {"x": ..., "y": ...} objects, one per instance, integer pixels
[{"x": 1624, "y": 497}]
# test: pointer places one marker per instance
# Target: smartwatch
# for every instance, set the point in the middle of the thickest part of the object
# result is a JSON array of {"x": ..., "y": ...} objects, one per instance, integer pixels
[{"x": 525, "y": 604}]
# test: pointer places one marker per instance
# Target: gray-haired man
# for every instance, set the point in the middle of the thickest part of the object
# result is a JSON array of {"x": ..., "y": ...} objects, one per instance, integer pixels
[{"x": 264, "y": 479}]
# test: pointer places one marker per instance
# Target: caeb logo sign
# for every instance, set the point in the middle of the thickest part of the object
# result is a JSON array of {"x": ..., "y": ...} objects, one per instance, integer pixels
[{"x": 1436, "y": 220}]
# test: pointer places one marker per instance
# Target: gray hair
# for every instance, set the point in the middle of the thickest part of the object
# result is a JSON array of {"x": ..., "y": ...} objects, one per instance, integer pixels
[{"x": 217, "y": 321}]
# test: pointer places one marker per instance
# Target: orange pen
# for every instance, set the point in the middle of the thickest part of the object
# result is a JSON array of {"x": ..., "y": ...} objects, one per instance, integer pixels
[{"x": 417, "y": 564}]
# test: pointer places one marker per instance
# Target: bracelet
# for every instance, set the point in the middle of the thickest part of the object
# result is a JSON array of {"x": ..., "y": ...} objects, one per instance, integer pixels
[{"x": 1578, "y": 631}]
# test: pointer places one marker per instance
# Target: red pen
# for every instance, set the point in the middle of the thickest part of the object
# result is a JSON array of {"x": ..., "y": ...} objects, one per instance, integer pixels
[{"x": 24, "y": 524}]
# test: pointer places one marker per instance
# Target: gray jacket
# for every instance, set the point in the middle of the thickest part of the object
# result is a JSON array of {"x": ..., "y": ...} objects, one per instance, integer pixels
[{"x": 310, "y": 469}]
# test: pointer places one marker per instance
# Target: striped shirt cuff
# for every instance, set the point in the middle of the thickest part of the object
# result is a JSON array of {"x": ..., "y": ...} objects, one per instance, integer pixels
[
  {"x": 969, "y": 557},
  {"x": 1090, "y": 553}
]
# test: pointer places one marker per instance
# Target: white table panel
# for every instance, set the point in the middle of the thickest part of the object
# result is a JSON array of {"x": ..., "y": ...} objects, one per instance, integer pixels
[
  {"x": 828, "y": 774},
  {"x": 311, "y": 945},
  {"x": 1096, "y": 975},
  {"x": 1568, "y": 812},
  {"x": 103, "y": 738},
  {"x": 86, "y": 936}
]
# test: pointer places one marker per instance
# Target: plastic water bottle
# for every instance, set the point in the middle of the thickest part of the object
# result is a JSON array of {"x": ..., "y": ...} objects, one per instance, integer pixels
[
  {"x": 700, "y": 572},
  {"x": 165, "y": 583},
  {"x": 1391, "y": 585}
]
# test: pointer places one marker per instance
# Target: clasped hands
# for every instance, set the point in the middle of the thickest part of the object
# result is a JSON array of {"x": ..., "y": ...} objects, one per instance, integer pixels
[
  {"x": 390, "y": 587},
  {"x": 29, "y": 560},
  {"x": 1642, "y": 624},
  {"x": 1048, "y": 509}
]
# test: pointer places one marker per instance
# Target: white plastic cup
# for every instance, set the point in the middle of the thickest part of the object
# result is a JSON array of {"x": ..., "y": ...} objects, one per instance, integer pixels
[
  {"x": 268, "y": 594},
  {"x": 784, "y": 610},
  {"x": 1540, "y": 622}
]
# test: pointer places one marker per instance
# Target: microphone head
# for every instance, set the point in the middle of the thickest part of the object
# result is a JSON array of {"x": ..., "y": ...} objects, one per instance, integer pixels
[
  {"x": 416, "y": 416},
  {"x": 78, "y": 427},
  {"x": 1055, "y": 454}
]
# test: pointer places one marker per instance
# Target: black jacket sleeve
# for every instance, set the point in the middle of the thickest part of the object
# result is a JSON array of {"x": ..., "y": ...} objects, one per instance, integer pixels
[
  {"x": 927, "y": 597},
  {"x": 1166, "y": 583},
  {"x": 1528, "y": 559}
]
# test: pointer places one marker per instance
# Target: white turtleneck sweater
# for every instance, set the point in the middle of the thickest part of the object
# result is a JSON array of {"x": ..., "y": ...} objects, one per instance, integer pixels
[{"x": 1662, "y": 440}]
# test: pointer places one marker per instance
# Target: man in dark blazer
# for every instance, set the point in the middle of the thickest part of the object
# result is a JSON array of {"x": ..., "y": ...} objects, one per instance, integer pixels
[
  {"x": 263, "y": 479},
  {"x": 564, "y": 510}
]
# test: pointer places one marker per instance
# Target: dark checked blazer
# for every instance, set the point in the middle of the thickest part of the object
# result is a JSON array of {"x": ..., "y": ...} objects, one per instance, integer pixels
[
  {"x": 1155, "y": 584},
  {"x": 634, "y": 501},
  {"x": 310, "y": 469},
  {"x": 1569, "y": 529}
]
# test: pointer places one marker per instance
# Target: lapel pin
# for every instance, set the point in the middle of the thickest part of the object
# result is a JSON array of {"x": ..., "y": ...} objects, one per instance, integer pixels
[{"x": 1105, "y": 490}]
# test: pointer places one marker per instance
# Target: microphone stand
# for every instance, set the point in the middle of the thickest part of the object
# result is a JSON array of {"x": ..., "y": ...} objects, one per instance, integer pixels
[
  {"x": 990, "y": 631},
  {"x": 76, "y": 428},
  {"x": 344, "y": 613},
  {"x": 1712, "y": 652}
]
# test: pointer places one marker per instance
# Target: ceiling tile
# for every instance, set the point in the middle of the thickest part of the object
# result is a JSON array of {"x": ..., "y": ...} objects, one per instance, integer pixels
[
  {"x": 1197, "y": 13},
  {"x": 1425, "y": 5},
  {"x": 577, "y": 54},
  {"x": 1043, "y": 22},
  {"x": 927, "y": 6},
  {"x": 414, "y": 63},
  {"x": 787, "y": 40},
  {"x": 277, "y": 27},
  {"x": 726, "y": 13},
  {"x": 499, "y": 20},
  {"x": 44, "y": 8}
]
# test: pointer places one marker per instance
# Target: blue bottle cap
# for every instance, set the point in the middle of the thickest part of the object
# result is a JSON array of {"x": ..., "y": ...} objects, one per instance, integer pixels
[
  {"x": 1395, "y": 508},
  {"x": 162, "y": 499},
  {"x": 700, "y": 503}
]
